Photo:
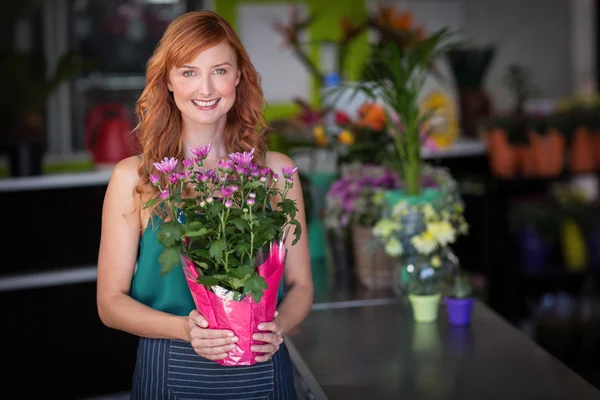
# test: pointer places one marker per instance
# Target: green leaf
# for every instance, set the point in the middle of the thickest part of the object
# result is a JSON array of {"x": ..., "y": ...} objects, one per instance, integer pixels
[
  {"x": 297, "y": 232},
  {"x": 169, "y": 233},
  {"x": 169, "y": 257},
  {"x": 255, "y": 285},
  {"x": 207, "y": 280},
  {"x": 241, "y": 272},
  {"x": 202, "y": 265},
  {"x": 242, "y": 248},
  {"x": 216, "y": 249},
  {"x": 194, "y": 233},
  {"x": 240, "y": 223}
]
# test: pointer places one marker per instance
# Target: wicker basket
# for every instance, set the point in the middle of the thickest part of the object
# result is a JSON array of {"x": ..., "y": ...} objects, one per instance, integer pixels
[{"x": 374, "y": 267}]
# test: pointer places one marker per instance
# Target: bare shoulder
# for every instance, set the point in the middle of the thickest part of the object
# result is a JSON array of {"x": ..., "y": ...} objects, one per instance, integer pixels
[
  {"x": 276, "y": 160},
  {"x": 125, "y": 174}
]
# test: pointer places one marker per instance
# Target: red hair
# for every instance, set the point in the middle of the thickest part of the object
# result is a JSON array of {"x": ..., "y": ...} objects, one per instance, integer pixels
[{"x": 159, "y": 125}]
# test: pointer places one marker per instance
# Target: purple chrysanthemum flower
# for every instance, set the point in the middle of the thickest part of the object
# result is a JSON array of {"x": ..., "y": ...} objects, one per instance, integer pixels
[
  {"x": 244, "y": 159},
  {"x": 250, "y": 201},
  {"x": 164, "y": 194},
  {"x": 265, "y": 171},
  {"x": 228, "y": 203},
  {"x": 174, "y": 178},
  {"x": 154, "y": 179},
  {"x": 263, "y": 179},
  {"x": 202, "y": 177},
  {"x": 189, "y": 163},
  {"x": 225, "y": 165},
  {"x": 252, "y": 195},
  {"x": 200, "y": 152},
  {"x": 209, "y": 199},
  {"x": 275, "y": 178},
  {"x": 228, "y": 190},
  {"x": 167, "y": 165},
  {"x": 288, "y": 171}
]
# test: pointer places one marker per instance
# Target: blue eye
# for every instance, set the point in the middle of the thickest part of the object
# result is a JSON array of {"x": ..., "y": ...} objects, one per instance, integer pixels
[
  {"x": 188, "y": 73},
  {"x": 220, "y": 71}
]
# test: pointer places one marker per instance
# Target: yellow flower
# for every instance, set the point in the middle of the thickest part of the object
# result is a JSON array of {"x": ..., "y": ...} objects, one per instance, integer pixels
[
  {"x": 346, "y": 137},
  {"x": 384, "y": 228},
  {"x": 393, "y": 247},
  {"x": 442, "y": 231},
  {"x": 400, "y": 209},
  {"x": 428, "y": 211},
  {"x": 436, "y": 261},
  {"x": 424, "y": 243},
  {"x": 320, "y": 136}
]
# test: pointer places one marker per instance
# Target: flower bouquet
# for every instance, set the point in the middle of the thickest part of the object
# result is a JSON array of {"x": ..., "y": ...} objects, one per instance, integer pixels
[{"x": 219, "y": 224}]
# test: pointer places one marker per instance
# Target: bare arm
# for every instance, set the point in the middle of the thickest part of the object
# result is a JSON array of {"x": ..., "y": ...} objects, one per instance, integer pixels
[
  {"x": 120, "y": 236},
  {"x": 297, "y": 275}
]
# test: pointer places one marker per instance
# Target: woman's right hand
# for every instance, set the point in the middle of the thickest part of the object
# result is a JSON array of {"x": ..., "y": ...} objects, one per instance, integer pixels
[{"x": 212, "y": 344}]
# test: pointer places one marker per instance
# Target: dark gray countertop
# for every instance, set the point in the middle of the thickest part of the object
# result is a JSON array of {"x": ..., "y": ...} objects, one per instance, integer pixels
[{"x": 377, "y": 352}]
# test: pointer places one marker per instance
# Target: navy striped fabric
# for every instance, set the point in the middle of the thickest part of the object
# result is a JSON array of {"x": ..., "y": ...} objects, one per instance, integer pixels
[{"x": 171, "y": 370}]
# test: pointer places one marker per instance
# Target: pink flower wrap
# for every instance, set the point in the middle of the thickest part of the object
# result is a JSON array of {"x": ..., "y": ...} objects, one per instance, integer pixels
[{"x": 241, "y": 317}]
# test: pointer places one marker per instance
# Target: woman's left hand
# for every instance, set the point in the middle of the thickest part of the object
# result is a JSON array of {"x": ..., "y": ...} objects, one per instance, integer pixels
[{"x": 272, "y": 340}]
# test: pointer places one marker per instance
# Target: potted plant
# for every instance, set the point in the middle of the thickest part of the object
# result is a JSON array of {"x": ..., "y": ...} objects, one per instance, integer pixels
[
  {"x": 424, "y": 295},
  {"x": 29, "y": 84},
  {"x": 226, "y": 237},
  {"x": 459, "y": 299}
]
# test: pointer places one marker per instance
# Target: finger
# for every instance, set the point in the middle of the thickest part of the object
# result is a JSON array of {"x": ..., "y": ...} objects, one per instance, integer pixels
[
  {"x": 264, "y": 348},
  {"x": 200, "y": 320},
  {"x": 214, "y": 356},
  {"x": 217, "y": 342},
  {"x": 210, "y": 333},
  {"x": 264, "y": 358},
  {"x": 268, "y": 337},
  {"x": 213, "y": 350},
  {"x": 269, "y": 326}
]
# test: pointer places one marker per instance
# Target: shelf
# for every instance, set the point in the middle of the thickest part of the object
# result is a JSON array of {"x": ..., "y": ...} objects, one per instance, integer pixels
[{"x": 56, "y": 181}]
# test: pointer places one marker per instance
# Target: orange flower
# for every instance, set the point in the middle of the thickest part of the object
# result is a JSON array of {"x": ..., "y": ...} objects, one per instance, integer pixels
[
  {"x": 402, "y": 21},
  {"x": 372, "y": 116}
]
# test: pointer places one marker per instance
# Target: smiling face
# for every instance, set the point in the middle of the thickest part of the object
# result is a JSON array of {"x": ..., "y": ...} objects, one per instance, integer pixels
[{"x": 204, "y": 88}]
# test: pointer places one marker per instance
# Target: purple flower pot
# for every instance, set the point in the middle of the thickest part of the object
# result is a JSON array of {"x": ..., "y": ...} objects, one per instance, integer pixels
[
  {"x": 534, "y": 250},
  {"x": 459, "y": 310}
]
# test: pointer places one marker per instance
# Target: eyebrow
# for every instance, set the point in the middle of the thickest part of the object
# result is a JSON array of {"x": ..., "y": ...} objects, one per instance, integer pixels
[{"x": 214, "y": 66}]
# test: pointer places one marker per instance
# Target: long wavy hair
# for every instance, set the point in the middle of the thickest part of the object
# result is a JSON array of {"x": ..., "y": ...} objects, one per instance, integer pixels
[{"x": 159, "y": 127}]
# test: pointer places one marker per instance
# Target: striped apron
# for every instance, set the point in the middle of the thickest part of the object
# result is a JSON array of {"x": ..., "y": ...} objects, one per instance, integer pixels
[{"x": 171, "y": 370}]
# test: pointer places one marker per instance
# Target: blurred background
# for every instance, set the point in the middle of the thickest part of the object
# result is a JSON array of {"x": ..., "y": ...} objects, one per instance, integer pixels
[{"x": 517, "y": 125}]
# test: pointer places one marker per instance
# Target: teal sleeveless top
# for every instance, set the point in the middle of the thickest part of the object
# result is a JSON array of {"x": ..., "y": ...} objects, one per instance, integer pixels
[{"x": 170, "y": 292}]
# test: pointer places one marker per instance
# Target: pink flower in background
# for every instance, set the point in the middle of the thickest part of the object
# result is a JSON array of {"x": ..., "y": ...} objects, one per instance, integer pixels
[
  {"x": 201, "y": 152},
  {"x": 167, "y": 165}
]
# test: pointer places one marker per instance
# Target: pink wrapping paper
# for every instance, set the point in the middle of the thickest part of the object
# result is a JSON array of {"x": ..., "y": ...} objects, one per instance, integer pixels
[{"x": 241, "y": 317}]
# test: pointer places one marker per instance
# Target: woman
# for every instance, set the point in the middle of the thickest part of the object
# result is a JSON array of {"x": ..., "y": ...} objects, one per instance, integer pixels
[{"x": 201, "y": 88}]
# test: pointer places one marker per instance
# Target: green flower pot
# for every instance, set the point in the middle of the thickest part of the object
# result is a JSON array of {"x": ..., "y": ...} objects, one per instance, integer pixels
[
  {"x": 425, "y": 308},
  {"x": 427, "y": 195}
]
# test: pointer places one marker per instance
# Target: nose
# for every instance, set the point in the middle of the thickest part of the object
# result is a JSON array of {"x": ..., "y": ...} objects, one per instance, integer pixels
[{"x": 205, "y": 87}]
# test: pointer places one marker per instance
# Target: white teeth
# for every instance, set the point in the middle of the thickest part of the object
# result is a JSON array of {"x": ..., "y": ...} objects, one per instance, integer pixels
[{"x": 200, "y": 103}]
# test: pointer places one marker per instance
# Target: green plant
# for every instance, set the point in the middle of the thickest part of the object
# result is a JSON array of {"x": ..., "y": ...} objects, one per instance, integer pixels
[
  {"x": 224, "y": 224},
  {"x": 461, "y": 286},
  {"x": 397, "y": 78}
]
